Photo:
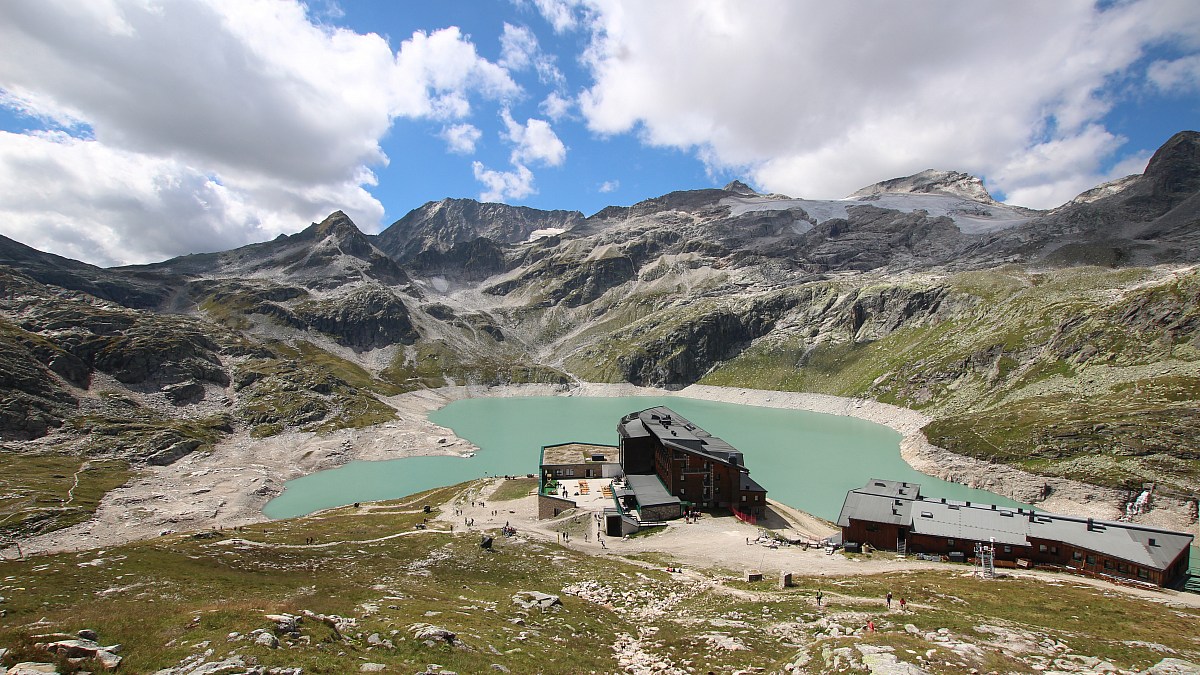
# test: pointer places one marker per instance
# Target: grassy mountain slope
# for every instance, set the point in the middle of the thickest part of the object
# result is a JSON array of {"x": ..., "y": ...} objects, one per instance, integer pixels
[{"x": 184, "y": 601}]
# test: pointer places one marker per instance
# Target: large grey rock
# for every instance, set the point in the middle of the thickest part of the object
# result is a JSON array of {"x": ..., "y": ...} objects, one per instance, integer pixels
[
  {"x": 1172, "y": 666},
  {"x": 84, "y": 649},
  {"x": 267, "y": 640},
  {"x": 536, "y": 600},
  {"x": 431, "y": 633},
  {"x": 31, "y": 668}
]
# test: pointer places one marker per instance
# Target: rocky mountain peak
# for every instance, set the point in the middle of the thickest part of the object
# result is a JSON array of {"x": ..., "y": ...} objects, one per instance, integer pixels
[
  {"x": 740, "y": 188},
  {"x": 1175, "y": 167},
  {"x": 438, "y": 226},
  {"x": 932, "y": 181},
  {"x": 336, "y": 224}
]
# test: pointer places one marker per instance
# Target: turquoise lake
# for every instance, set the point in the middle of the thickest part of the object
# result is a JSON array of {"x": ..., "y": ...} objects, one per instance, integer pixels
[{"x": 806, "y": 460}]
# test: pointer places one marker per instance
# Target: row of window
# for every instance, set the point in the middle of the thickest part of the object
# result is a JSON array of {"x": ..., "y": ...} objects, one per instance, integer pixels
[{"x": 1109, "y": 565}]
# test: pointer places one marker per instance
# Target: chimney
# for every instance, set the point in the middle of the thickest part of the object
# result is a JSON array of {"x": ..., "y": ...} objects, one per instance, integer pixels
[
  {"x": 1090, "y": 524},
  {"x": 1152, "y": 542}
]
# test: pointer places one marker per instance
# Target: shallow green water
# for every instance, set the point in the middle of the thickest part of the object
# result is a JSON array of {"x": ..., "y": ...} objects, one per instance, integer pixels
[{"x": 806, "y": 460}]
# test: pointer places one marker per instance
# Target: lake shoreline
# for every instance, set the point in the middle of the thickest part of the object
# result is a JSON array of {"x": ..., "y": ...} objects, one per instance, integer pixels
[{"x": 230, "y": 485}]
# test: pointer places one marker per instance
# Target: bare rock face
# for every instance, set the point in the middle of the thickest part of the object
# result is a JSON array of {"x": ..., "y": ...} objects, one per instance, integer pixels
[
  {"x": 933, "y": 181},
  {"x": 367, "y": 317},
  {"x": 438, "y": 226}
]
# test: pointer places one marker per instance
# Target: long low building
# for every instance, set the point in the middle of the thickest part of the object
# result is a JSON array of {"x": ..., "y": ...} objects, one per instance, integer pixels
[{"x": 893, "y": 515}]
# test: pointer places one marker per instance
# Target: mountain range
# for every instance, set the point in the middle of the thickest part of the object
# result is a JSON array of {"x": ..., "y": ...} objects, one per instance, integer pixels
[{"x": 1063, "y": 341}]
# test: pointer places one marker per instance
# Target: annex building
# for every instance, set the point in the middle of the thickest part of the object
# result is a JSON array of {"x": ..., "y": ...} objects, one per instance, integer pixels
[
  {"x": 894, "y": 516},
  {"x": 670, "y": 464}
]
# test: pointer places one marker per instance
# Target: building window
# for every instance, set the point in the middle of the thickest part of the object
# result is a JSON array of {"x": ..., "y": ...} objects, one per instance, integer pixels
[
  {"x": 1123, "y": 568},
  {"x": 1143, "y": 574},
  {"x": 558, "y": 472},
  {"x": 1008, "y": 549},
  {"x": 1091, "y": 559},
  {"x": 1108, "y": 564},
  {"x": 570, "y": 472},
  {"x": 1054, "y": 550},
  {"x": 949, "y": 542},
  {"x": 1041, "y": 548},
  {"x": 743, "y": 497},
  {"x": 1076, "y": 556}
]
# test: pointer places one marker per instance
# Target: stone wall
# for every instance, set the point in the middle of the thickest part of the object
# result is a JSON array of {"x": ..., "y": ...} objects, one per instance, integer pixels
[{"x": 548, "y": 507}]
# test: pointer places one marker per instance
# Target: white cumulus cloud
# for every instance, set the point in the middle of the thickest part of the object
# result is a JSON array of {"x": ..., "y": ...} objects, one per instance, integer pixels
[
  {"x": 535, "y": 141},
  {"x": 817, "y": 99},
  {"x": 210, "y": 122},
  {"x": 503, "y": 186},
  {"x": 1181, "y": 75},
  {"x": 610, "y": 186},
  {"x": 555, "y": 106},
  {"x": 461, "y": 138}
]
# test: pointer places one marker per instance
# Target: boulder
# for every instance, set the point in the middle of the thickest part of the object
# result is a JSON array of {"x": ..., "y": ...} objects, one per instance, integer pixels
[
  {"x": 1164, "y": 667},
  {"x": 372, "y": 668},
  {"x": 267, "y": 640},
  {"x": 536, "y": 600},
  {"x": 183, "y": 393},
  {"x": 284, "y": 623},
  {"x": 31, "y": 668},
  {"x": 430, "y": 633},
  {"x": 85, "y": 649}
]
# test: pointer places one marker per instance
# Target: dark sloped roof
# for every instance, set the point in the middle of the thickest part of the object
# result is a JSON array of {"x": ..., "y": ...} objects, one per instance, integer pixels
[
  {"x": 750, "y": 485},
  {"x": 675, "y": 431},
  {"x": 897, "y": 503},
  {"x": 1120, "y": 540},
  {"x": 958, "y": 521},
  {"x": 874, "y": 508}
]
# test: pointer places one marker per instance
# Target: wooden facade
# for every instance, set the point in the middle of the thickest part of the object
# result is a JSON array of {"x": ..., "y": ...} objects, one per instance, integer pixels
[
  {"x": 700, "y": 469},
  {"x": 893, "y": 516}
]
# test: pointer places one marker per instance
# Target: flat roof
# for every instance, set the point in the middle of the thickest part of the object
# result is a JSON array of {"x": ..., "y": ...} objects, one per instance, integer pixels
[
  {"x": 578, "y": 453},
  {"x": 650, "y": 491}
]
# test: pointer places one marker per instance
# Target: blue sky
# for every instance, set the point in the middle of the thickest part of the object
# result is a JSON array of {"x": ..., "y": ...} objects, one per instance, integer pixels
[{"x": 136, "y": 130}]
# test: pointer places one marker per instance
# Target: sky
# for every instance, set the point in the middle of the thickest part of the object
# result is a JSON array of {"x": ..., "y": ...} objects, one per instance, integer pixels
[{"x": 133, "y": 131}]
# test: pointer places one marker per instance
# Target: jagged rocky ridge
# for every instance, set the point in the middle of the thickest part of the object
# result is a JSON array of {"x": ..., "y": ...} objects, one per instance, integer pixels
[{"x": 922, "y": 291}]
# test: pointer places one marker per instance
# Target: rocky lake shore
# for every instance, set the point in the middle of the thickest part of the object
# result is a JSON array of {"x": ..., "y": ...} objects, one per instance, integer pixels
[{"x": 230, "y": 485}]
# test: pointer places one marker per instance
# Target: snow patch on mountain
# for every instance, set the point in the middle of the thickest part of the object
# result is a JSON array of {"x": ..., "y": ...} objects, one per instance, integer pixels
[{"x": 971, "y": 217}]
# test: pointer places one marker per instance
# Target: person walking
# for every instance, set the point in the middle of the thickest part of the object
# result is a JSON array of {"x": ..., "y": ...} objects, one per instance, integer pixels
[
  {"x": 819, "y": 596},
  {"x": 889, "y": 599}
]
